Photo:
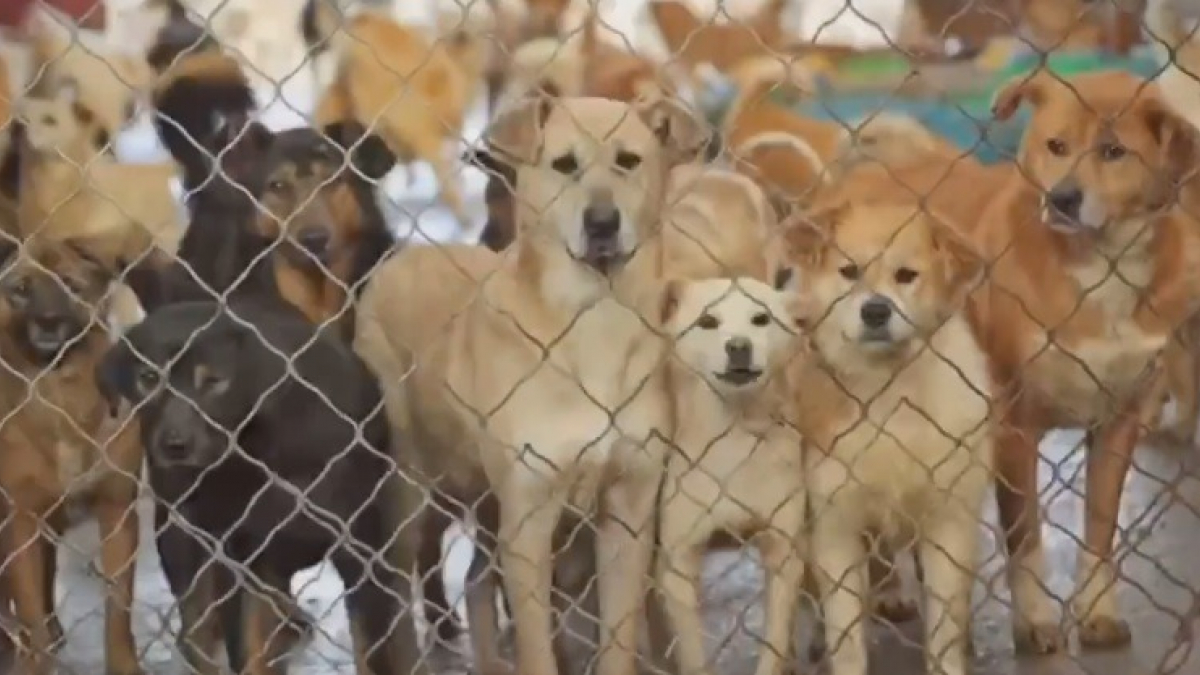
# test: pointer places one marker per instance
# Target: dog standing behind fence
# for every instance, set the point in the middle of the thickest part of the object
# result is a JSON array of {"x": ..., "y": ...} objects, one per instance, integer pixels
[
  {"x": 591, "y": 179},
  {"x": 62, "y": 442},
  {"x": 894, "y": 409},
  {"x": 217, "y": 387}
]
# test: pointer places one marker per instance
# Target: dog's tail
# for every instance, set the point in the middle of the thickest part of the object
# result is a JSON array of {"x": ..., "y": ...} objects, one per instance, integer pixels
[
  {"x": 775, "y": 157},
  {"x": 195, "y": 99}
]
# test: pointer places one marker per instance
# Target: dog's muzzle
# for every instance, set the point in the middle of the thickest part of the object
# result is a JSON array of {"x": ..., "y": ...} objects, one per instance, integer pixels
[
  {"x": 739, "y": 364},
  {"x": 315, "y": 242},
  {"x": 48, "y": 335},
  {"x": 1062, "y": 208},
  {"x": 602, "y": 238}
]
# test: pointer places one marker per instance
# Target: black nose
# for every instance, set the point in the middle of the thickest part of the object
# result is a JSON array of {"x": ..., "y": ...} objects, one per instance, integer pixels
[
  {"x": 1066, "y": 201},
  {"x": 876, "y": 312},
  {"x": 314, "y": 241},
  {"x": 601, "y": 222},
  {"x": 738, "y": 352}
]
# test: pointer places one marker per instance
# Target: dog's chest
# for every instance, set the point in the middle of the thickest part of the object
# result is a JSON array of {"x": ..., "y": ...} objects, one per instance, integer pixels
[{"x": 1100, "y": 356}]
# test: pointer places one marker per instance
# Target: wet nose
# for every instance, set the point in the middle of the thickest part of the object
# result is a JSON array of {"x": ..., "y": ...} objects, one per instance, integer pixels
[
  {"x": 1066, "y": 200},
  {"x": 738, "y": 351},
  {"x": 314, "y": 241},
  {"x": 876, "y": 312},
  {"x": 601, "y": 222},
  {"x": 172, "y": 443}
]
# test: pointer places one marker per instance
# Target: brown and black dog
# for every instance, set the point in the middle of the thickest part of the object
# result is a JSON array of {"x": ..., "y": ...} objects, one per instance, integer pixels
[{"x": 62, "y": 443}]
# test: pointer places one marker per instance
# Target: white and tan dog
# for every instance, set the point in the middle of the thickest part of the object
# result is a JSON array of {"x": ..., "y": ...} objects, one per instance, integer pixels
[
  {"x": 739, "y": 468},
  {"x": 895, "y": 416},
  {"x": 547, "y": 391}
]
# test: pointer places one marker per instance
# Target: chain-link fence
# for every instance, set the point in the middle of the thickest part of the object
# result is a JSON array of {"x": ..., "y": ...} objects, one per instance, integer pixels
[{"x": 539, "y": 336}]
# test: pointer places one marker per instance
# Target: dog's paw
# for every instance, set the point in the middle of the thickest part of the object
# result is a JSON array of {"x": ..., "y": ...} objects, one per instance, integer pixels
[
  {"x": 1104, "y": 632},
  {"x": 894, "y": 607},
  {"x": 1039, "y": 639}
]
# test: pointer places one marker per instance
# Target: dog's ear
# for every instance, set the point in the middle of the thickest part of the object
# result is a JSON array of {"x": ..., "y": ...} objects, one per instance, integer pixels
[
  {"x": 1031, "y": 89},
  {"x": 371, "y": 155},
  {"x": 514, "y": 134},
  {"x": 684, "y": 135},
  {"x": 1178, "y": 141},
  {"x": 668, "y": 304},
  {"x": 808, "y": 233},
  {"x": 962, "y": 267},
  {"x": 483, "y": 160},
  {"x": 114, "y": 375}
]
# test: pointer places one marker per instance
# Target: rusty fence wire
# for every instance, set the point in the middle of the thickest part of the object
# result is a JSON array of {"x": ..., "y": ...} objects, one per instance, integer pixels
[{"x": 539, "y": 336}]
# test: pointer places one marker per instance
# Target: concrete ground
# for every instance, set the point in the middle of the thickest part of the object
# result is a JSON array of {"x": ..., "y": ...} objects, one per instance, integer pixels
[{"x": 1160, "y": 541}]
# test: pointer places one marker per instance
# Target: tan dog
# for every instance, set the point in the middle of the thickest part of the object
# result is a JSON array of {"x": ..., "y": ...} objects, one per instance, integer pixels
[
  {"x": 61, "y": 444},
  {"x": 411, "y": 90},
  {"x": 591, "y": 179},
  {"x": 894, "y": 409},
  {"x": 738, "y": 468},
  {"x": 1095, "y": 251}
]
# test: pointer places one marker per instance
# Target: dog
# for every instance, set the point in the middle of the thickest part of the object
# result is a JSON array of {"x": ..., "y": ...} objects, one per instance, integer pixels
[
  {"x": 587, "y": 209},
  {"x": 63, "y": 443},
  {"x": 739, "y": 468},
  {"x": 894, "y": 408},
  {"x": 178, "y": 37},
  {"x": 215, "y": 386},
  {"x": 418, "y": 92}
]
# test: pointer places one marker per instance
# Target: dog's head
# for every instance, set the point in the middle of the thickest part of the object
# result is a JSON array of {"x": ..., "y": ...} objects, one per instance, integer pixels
[
  {"x": 591, "y": 172},
  {"x": 1102, "y": 148},
  {"x": 311, "y": 189},
  {"x": 52, "y": 294},
  {"x": 179, "y": 369},
  {"x": 731, "y": 332},
  {"x": 877, "y": 277},
  {"x": 61, "y": 123}
]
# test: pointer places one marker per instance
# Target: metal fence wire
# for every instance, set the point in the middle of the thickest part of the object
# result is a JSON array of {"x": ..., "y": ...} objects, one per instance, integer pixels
[{"x": 504, "y": 339}]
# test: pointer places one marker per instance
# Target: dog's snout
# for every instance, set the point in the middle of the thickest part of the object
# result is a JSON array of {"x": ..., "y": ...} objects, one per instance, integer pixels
[
  {"x": 172, "y": 443},
  {"x": 876, "y": 312},
  {"x": 315, "y": 240},
  {"x": 1066, "y": 199},
  {"x": 738, "y": 351},
  {"x": 601, "y": 221}
]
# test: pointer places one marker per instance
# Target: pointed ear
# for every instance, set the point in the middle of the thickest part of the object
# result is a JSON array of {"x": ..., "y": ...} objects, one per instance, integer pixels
[
  {"x": 515, "y": 133},
  {"x": 685, "y": 136},
  {"x": 1031, "y": 89},
  {"x": 114, "y": 375},
  {"x": 371, "y": 156}
]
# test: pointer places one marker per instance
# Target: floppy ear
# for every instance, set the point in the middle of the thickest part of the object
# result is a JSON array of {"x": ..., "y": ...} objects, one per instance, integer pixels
[
  {"x": 1029, "y": 89},
  {"x": 668, "y": 304},
  {"x": 1176, "y": 137},
  {"x": 962, "y": 267},
  {"x": 114, "y": 375},
  {"x": 685, "y": 136},
  {"x": 808, "y": 234},
  {"x": 514, "y": 133},
  {"x": 371, "y": 155}
]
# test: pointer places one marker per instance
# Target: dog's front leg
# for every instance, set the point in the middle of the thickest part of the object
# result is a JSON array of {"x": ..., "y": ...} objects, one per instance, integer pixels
[
  {"x": 624, "y": 552},
  {"x": 949, "y": 557},
  {"x": 679, "y": 568},
  {"x": 27, "y": 552},
  {"x": 1095, "y": 603},
  {"x": 784, "y": 567},
  {"x": 530, "y": 508},
  {"x": 840, "y": 556},
  {"x": 118, "y": 519}
]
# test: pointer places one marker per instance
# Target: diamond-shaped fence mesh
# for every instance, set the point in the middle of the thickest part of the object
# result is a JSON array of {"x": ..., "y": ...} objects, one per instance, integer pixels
[{"x": 543, "y": 336}]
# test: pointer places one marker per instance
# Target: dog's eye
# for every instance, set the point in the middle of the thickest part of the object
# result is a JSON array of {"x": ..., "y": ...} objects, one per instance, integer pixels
[
  {"x": 214, "y": 384},
  {"x": 277, "y": 186},
  {"x": 707, "y": 322},
  {"x": 849, "y": 272},
  {"x": 628, "y": 161},
  {"x": 567, "y": 165},
  {"x": 906, "y": 275},
  {"x": 147, "y": 379},
  {"x": 1111, "y": 152},
  {"x": 19, "y": 291},
  {"x": 1056, "y": 146},
  {"x": 761, "y": 319}
]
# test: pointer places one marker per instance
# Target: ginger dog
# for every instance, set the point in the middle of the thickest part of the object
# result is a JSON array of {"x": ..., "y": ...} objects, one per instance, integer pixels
[
  {"x": 894, "y": 410},
  {"x": 412, "y": 91},
  {"x": 591, "y": 180},
  {"x": 1094, "y": 267},
  {"x": 738, "y": 468}
]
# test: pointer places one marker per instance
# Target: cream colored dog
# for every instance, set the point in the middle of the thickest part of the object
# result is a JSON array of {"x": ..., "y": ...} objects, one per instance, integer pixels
[
  {"x": 552, "y": 376},
  {"x": 895, "y": 415},
  {"x": 739, "y": 467}
]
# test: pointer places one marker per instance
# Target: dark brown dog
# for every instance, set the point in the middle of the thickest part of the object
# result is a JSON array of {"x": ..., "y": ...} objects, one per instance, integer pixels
[{"x": 61, "y": 441}]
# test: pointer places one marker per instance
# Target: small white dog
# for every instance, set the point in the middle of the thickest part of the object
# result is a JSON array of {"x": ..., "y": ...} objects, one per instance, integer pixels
[{"x": 739, "y": 465}]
